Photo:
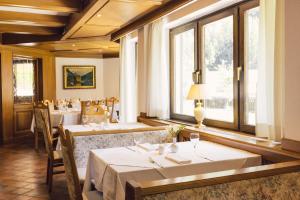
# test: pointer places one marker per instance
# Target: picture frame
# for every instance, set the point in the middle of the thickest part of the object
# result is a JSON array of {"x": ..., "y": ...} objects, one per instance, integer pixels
[{"x": 79, "y": 77}]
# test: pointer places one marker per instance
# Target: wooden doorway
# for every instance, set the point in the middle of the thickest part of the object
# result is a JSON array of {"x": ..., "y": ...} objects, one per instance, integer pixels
[{"x": 28, "y": 84}]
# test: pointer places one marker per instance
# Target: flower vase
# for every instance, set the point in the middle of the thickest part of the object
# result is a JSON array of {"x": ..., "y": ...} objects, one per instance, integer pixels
[{"x": 174, "y": 147}]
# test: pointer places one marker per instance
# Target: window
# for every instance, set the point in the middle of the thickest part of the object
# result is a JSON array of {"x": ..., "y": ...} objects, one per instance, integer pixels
[
  {"x": 249, "y": 15},
  {"x": 227, "y": 47},
  {"x": 183, "y": 66},
  {"x": 217, "y": 65},
  {"x": 24, "y": 83}
]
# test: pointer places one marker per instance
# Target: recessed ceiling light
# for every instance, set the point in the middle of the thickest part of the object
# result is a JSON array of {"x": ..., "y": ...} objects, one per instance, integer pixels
[
  {"x": 99, "y": 15},
  {"x": 73, "y": 45}
]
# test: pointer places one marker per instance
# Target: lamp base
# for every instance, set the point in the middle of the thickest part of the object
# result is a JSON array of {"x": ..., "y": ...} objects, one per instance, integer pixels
[
  {"x": 199, "y": 115},
  {"x": 199, "y": 125}
]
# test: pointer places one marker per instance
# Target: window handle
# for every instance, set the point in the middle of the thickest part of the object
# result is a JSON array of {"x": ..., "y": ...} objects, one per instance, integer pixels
[{"x": 239, "y": 70}]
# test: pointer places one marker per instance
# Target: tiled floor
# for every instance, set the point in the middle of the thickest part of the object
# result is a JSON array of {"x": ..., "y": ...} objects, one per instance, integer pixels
[{"x": 23, "y": 175}]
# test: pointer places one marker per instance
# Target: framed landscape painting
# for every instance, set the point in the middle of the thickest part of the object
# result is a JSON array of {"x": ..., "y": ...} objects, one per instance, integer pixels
[{"x": 79, "y": 76}]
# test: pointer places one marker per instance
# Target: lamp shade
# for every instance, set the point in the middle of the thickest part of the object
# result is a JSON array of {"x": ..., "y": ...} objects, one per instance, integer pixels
[{"x": 197, "y": 92}]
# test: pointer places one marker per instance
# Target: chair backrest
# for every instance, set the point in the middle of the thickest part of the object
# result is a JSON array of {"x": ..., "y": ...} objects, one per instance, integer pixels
[
  {"x": 93, "y": 112},
  {"x": 274, "y": 181},
  {"x": 47, "y": 134},
  {"x": 50, "y": 104},
  {"x": 38, "y": 108},
  {"x": 70, "y": 166}
]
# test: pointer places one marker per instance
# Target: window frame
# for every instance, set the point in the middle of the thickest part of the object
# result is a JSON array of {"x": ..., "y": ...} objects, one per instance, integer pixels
[
  {"x": 173, "y": 33},
  {"x": 243, "y": 8},
  {"x": 215, "y": 17},
  {"x": 237, "y": 11}
]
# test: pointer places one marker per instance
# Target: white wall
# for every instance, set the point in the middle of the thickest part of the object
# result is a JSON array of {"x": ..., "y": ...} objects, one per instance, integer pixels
[
  {"x": 106, "y": 69},
  {"x": 111, "y": 78},
  {"x": 292, "y": 70}
]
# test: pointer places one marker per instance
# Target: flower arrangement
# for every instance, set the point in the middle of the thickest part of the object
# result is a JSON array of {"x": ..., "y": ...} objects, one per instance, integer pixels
[{"x": 174, "y": 130}]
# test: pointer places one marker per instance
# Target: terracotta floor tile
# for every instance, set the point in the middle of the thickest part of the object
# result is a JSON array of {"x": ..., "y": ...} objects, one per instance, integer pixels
[{"x": 22, "y": 175}]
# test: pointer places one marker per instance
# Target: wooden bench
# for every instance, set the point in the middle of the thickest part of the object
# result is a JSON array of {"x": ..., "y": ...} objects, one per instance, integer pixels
[{"x": 279, "y": 181}]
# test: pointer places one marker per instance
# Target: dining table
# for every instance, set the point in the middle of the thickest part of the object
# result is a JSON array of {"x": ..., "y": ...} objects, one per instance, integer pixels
[
  {"x": 107, "y": 135},
  {"x": 64, "y": 117},
  {"x": 110, "y": 169}
]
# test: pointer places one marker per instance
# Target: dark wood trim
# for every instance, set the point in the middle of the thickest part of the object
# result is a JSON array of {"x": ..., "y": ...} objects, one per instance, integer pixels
[
  {"x": 75, "y": 54},
  {"x": 242, "y": 9},
  {"x": 173, "y": 33},
  {"x": 111, "y": 55},
  {"x": 39, "y": 80},
  {"x": 14, "y": 38},
  {"x": 38, "y": 30},
  {"x": 148, "y": 18},
  {"x": 290, "y": 145},
  {"x": 209, "y": 179}
]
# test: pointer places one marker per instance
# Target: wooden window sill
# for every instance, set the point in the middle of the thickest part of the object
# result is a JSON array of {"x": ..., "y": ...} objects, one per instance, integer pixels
[{"x": 228, "y": 135}]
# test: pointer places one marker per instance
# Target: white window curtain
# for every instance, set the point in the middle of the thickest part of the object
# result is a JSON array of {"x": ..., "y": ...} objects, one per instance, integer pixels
[
  {"x": 269, "y": 106},
  {"x": 158, "y": 95},
  {"x": 128, "y": 102}
]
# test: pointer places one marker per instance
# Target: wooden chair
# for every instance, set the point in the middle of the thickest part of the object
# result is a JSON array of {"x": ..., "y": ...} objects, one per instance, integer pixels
[
  {"x": 92, "y": 112},
  {"x": 38, "y": 129},
  {"x": 110, "y": 103},
  {"x": 54, "y": 157},
  {"x": 73, "y": 180}
]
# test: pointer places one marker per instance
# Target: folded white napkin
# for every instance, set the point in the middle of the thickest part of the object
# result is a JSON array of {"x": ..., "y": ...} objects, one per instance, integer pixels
[
  {"x": 146, "y": 146},
  {"x": 177, "y": 158}
]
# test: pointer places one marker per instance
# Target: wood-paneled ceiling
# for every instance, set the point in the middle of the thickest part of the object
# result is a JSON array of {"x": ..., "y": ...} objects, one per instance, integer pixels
[{"x": 64, "y": 26}]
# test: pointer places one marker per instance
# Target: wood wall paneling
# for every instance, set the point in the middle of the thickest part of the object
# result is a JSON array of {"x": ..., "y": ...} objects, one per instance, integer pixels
[
  {"x": 23, "y": 114},
  {"x": 49, "y": 84},
  {"x": 7, "y": 98},
  {"x": 11, "y": 118}
]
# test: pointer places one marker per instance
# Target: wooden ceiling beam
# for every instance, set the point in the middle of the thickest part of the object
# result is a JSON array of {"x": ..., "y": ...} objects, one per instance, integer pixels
[
  {"x": 74, "y": 54},
  {"x": 12, "y": 38},
  {"x": 67, "y": 6},
  {"x": 39, "y": 19},
  {"x": 148, "y": 18},
  {"x": 79, "y": 19},
  {"x": 22, "y": 29}
]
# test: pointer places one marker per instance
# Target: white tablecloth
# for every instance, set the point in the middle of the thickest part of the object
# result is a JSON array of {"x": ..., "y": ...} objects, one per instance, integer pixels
[
  {"x": 62, "y": 117},
  {"x": 112, "y": 168}
]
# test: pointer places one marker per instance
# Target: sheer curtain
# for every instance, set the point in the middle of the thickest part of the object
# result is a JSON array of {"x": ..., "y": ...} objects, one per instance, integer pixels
[
  {"x": 269, "y": 106},
  {"x": 158, "y": 95},
  {"x": 128, "y": 102}
]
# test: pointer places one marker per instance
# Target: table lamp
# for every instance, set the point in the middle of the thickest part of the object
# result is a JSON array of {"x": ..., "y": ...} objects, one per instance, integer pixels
[{"x": 198, "y": 92}]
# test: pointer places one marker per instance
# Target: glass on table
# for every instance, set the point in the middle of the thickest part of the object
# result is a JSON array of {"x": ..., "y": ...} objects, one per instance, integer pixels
[{"x": 194, "y": 138}]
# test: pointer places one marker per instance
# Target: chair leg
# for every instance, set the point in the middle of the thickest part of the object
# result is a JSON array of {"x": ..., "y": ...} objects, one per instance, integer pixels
[
  {"x": 36, "y": 140},
  {"x": 50, "y": 178},
  {"x": 48, "y": 168}
]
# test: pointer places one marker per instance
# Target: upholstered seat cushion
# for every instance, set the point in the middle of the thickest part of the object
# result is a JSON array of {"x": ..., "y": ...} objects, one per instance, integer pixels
[{"x": 93, "y": 195}]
